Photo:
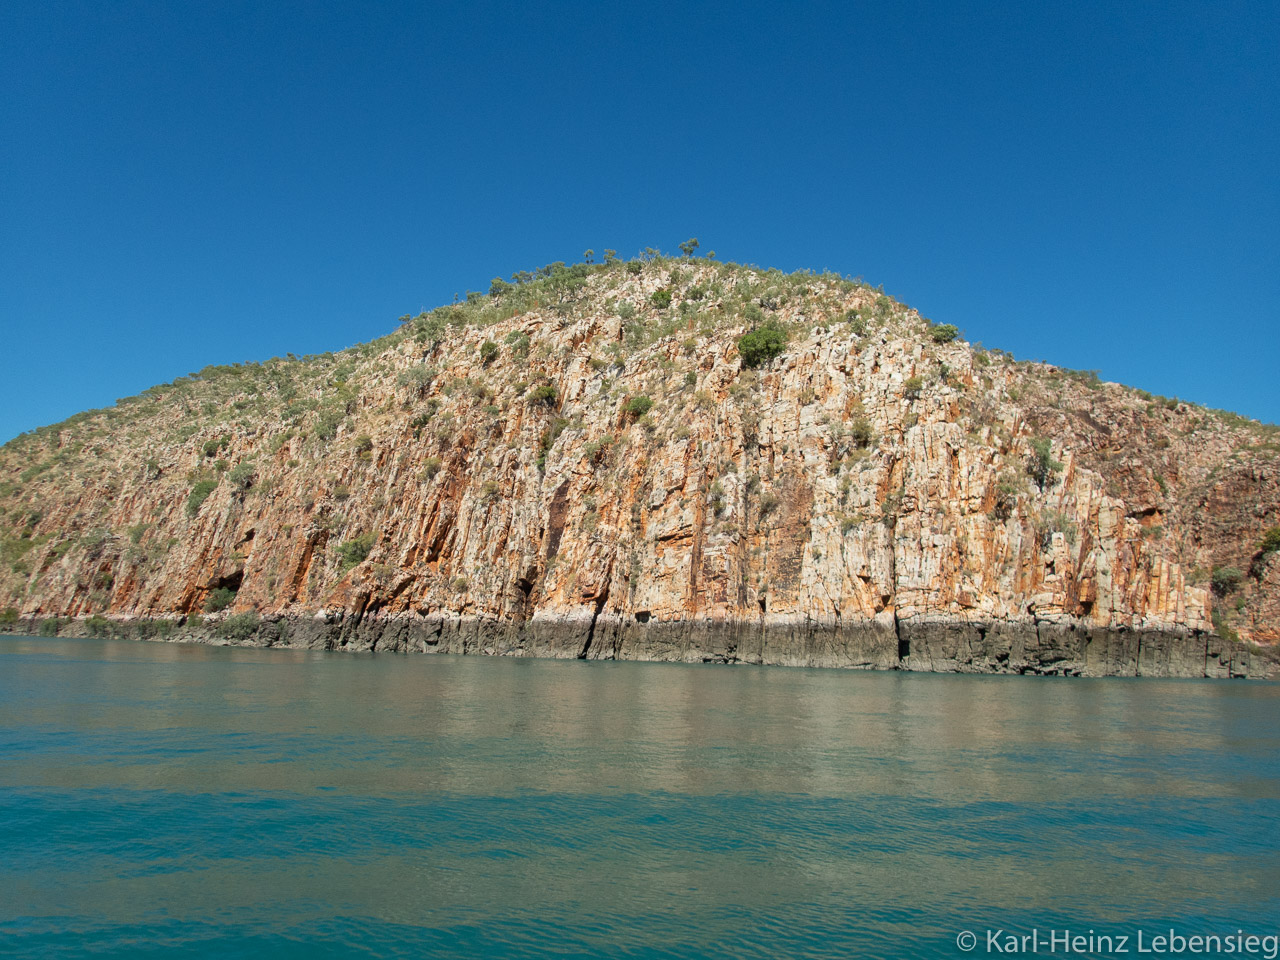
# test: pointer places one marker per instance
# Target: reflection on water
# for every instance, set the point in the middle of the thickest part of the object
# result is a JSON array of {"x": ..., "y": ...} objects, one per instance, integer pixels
[{"x": 219, "y": 801}]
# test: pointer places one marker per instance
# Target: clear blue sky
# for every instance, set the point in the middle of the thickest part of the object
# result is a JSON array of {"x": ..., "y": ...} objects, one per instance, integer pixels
[{"x": 1097, "y": 185}]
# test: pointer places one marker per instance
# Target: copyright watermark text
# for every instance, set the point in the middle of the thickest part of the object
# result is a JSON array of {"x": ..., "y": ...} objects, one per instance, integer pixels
[{"x": 1153, "y": 943}]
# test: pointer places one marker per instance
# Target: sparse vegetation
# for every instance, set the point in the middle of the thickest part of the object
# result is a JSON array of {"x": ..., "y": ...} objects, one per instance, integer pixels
[
  {"x": 1006, "y": 497},
  {"x": 241, "y": 626},
  {"x": 768, "y": 503},
  {"x": 219, "y": 599},
  {"x": 518, "y": 341},
  {"x": 327, "y": 425},
  {"x": 199, "y": 494},
  {"x": 243, "y": 475},
  {"x": 1225, "y": 580},
  {"x": 548, "y": 439},
  {"x": 597, "y": 451},
  {"x": 1041, "y": 467},
  {"x": 637, "y": 406},
  {"x": 353, "y": 551},
  {"x": 1270, "y": 541},
  {"x": 861, "y": 433},
  {"x": 487, "y": 384},
  {"x": 213, "y": 447},
  {"x": 543, "y": 393}
]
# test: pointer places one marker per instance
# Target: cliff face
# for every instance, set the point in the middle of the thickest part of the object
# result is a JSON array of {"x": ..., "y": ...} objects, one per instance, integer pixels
[{"x": 575, "y": 467}]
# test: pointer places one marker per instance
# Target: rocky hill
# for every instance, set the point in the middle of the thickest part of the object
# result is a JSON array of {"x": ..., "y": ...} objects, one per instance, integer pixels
[{"x": 669, "y": 459}]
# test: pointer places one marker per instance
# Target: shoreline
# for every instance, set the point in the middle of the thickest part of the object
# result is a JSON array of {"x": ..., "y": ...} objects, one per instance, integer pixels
[{"x": 1036, "y": 648}]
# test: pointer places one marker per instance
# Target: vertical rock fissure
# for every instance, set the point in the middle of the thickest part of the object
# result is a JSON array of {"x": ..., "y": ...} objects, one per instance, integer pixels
[
  {"x": 595, "y": 617},
  {"x": 591, "y": 630}
]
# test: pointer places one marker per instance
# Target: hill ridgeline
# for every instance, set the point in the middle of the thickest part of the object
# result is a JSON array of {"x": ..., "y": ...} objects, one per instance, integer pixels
[{"x": 661, "y": 459}]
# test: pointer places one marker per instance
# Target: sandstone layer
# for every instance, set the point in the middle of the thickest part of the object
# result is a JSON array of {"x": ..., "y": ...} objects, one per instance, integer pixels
[{"x": 581, "y": 465}]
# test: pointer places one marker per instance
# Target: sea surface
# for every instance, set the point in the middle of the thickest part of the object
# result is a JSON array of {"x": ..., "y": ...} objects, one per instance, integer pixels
[{"x": 170, "y": 800}]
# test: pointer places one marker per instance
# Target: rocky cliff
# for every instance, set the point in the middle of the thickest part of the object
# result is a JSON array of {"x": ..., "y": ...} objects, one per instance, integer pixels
[{"x": 591, "y": 462}]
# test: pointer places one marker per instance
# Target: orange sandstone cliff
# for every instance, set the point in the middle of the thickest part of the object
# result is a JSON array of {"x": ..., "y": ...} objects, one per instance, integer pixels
[{"x": 585, "y": 464}]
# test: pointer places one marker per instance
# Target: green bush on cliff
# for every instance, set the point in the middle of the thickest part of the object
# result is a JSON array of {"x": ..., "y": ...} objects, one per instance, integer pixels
[
  {"x": 548, "y": 438},
  {"x": 861, "y": 433},
  {"x": 355, "y": 550},
  {"x": 518, "y": 341},
  {"x": 219, "y": 599},
  {"x": 944, "y": 332},
  {"x": 1040, "y": 464},
  {"x": 8, "y": 616},
  {"x": 638, "y": 406},
  {"x": 762, "y": 344},
  {"x": 1222, "y": 628},
  {"x": 199, "y": 494},
  {"x": 1270, "y": 541},
  {"x": 417, "y": 379},
  {"x": 13, "y": 549},
  {"x": 214, "y": 446},
  {"x": 488, "y": 352},
  {"x": 327, "y": 424},
  {"x": 1225, "y": 580},
  {"x": 598, "y": 450},
  {"x": 544, "y": 393},
  {"x": 243, "y": 475}
]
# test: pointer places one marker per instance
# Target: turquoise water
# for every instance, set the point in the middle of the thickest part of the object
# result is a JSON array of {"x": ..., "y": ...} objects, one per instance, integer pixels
[{"x": 186, "y": 801}]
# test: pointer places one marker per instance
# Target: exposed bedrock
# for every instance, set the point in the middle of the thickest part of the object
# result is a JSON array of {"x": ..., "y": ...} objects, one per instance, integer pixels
[{"x": 1038, "y": 648}]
